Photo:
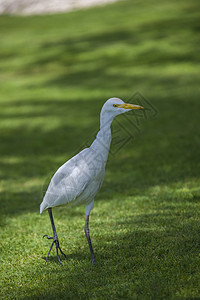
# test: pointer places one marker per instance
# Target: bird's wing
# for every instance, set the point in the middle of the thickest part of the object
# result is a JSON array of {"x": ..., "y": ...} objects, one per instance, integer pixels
[{"x": 71, "y": 179}]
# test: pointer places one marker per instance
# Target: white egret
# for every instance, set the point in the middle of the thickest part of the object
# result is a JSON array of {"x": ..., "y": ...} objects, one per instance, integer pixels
[{"x": 78, "y": 180}]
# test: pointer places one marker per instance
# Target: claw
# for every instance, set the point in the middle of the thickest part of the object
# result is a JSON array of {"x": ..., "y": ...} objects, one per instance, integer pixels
[{"x": 55, "y": 240}]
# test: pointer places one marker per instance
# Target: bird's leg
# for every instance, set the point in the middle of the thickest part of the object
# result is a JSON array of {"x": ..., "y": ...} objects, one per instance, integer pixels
[
  {"x": 88, "y": 238},
  {"x": 54, "y": 238}
]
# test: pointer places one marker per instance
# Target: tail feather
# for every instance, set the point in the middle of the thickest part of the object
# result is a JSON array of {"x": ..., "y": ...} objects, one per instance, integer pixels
[{"x": 43, "y": 206}]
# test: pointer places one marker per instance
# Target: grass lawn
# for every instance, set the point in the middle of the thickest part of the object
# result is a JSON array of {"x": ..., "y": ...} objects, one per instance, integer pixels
[{"x": 56, "y": 72}]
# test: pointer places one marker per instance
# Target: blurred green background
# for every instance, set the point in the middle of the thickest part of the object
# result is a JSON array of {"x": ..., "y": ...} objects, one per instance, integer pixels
[{"x": 56, "y": 73}]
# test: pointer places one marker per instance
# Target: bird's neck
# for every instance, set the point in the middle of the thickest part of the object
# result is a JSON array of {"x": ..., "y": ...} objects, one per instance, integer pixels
[
  {"x": 102, "y": 142},
  {"x": 105, "y": 120}
]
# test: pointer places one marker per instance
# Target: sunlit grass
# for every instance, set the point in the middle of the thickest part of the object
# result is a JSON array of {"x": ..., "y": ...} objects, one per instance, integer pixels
[{"x": 56, "y": 72}]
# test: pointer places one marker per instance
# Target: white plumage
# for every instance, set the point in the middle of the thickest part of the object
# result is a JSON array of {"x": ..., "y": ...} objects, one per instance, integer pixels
[{"x": 79, "y": 179}]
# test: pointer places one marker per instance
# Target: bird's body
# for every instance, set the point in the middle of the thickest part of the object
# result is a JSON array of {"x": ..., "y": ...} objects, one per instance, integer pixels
[{"x": 78, "y": 180}]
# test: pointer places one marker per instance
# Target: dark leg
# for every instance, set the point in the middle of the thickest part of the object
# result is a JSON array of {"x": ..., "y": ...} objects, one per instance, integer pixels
[
  {"x": 88, "y": 238},
  {"x": 54, "y": 238}
]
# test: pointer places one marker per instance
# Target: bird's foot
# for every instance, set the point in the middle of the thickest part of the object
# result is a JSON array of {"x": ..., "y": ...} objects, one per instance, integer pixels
[{"x": 56, "y": 241}]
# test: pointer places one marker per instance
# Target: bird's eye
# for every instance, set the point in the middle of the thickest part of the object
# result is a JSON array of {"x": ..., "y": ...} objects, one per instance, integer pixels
[{"x": 115, "y": 105}]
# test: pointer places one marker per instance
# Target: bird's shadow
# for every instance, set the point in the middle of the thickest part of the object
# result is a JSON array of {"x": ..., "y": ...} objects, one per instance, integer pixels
[{"x": 77, "y": 256}]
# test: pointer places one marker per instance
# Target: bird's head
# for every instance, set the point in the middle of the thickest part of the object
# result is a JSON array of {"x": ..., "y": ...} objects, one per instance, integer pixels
[{"x": 115, "y": 106}]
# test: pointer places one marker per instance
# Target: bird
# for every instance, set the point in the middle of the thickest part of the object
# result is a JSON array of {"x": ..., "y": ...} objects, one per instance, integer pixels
[{"x": 79, "y": 179}]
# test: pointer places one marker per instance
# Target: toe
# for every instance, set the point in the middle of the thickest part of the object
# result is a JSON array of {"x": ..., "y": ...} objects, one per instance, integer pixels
[{"x": 48, "y": 237}]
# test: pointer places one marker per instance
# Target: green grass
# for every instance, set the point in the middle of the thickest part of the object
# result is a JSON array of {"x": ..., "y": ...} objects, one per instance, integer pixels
[{"x": 56, "y": 72}]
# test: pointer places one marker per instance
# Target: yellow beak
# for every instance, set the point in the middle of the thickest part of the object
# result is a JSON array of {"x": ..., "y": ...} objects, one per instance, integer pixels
[{"x": 129, "y": 106}]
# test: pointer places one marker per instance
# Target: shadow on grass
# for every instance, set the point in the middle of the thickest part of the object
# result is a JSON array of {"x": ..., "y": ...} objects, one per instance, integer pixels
[
  {"x": 68, "y": 51},
  {"x": 126, "y": 263},
  {"x": 76, "y": 256},
  {"x": 152, "y": 255}
]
